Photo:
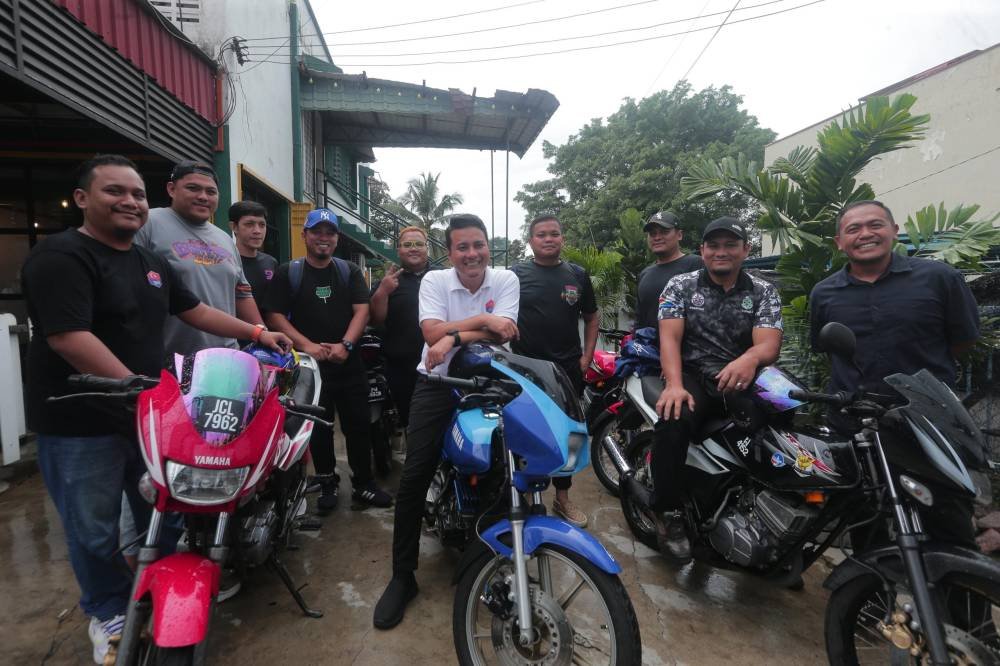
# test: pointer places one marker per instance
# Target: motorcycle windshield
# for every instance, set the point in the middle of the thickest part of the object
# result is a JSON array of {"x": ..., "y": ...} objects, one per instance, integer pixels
[
  {"x": 547, "y": 376},
  {"x": 941, "y": 423},
  {"x": 221, "y": 390}
]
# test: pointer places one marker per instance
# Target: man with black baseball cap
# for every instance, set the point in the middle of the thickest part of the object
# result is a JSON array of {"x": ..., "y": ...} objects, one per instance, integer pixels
[
  {"x": 203, "y": 256},
  {"x": 663, "y": 235},
  {"x": 718, "y": 325}
]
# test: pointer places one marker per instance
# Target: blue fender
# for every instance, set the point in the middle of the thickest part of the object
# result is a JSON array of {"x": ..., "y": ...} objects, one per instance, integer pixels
[{"x": 540, "y": 530}]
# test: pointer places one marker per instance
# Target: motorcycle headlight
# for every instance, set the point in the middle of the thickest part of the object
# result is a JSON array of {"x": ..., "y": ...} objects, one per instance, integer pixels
[
  {"x": 575, "y": 443},
  {"x": 197, "y": 485}
]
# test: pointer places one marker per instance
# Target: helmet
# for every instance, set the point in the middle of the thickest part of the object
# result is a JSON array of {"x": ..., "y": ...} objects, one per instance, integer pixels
[{"x": 281, "y": 367}]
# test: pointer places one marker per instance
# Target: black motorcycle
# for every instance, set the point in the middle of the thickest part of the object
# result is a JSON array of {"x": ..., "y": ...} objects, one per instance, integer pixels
[
  {"x": 382, "y": 415},
  {"x": 772, "y": 498}
]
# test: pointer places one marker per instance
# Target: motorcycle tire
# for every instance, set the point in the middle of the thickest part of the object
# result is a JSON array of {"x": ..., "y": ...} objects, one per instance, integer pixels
[
  {"x": 637, "y": 516},
  {"x": 183, "y": 656},
  {"x": 600, "y": 460},
  {"x": 621, "y": 618},
  {"x": 851, "y": 609},
  {"x": 381, "y": 450}
]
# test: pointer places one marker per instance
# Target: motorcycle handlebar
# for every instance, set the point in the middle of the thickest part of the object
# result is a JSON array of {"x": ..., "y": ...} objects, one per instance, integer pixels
[
  {"x": 88, "y": 382},
  {"x": 811, "y": 396},
  {"x": 476, "y": 383},
  {"x": 307, "y": 410}
]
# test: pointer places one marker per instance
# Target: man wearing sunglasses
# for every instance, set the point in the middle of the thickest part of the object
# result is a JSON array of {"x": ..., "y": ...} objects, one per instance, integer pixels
[{"x": 394, "y": 309}]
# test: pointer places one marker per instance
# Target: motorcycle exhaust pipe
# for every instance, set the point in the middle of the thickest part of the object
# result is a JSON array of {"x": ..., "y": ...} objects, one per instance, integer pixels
[{"x": 626, "y": 475}]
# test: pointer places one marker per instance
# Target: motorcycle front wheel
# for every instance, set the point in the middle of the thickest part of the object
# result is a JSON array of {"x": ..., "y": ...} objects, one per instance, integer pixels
[
  {"x": 969, "y": 607},
  {"x": 604, "y": 468},
  {"x": 581, "y": 614},
  {"x": 638, "y": 517}
]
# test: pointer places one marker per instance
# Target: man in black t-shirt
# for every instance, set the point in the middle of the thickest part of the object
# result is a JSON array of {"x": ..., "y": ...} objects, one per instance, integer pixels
[
  {"x": 663, "y": 235},
  {"x": 248, "y": 221},
  {"x": 98, "y": 304},
  {"x": 394, "y": 308},
  {"x": 325, "y": 315},
  {"x": 554, "y": 295}
]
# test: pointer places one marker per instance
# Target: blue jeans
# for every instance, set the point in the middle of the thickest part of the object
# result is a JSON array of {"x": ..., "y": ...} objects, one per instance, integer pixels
[{"x": 85, "y": 477}]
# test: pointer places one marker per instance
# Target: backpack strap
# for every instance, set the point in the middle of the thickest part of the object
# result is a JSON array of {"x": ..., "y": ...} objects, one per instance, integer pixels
[
  {"x": 344, "y": 271},
  {"x": 295, "y": 270}
]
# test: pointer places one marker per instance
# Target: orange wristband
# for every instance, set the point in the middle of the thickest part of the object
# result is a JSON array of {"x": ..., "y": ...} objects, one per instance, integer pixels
[{"x": 257, "y": 330}]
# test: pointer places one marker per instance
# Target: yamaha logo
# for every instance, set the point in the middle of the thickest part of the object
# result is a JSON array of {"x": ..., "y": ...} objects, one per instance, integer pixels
[{"x": 212, "y": 460}]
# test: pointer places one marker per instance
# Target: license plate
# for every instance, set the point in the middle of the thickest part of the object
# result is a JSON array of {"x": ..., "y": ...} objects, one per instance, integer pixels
[
  {"x": 222, "y": 415},
  {"x": 375, "y": 393}
]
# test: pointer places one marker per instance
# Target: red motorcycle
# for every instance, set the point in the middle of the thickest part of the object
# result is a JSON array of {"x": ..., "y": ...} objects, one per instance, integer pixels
[
  {"x": 217, "y": 451},
  {"x": 601, "y": 401}
]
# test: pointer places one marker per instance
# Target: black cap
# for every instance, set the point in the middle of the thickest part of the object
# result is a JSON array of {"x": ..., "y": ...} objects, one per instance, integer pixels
[
  {"x": 187, "y": 167},
  {"x": 730, "y": 224},
  {"x": 663, "y": 219}
]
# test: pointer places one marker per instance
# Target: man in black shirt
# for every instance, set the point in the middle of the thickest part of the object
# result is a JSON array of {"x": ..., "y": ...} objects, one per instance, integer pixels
[
  {"x": 394, "y": 308},
  {"x": 554, "y": 295},
  {"x": 718, "y": 325},
  {"x": 321, "y": 302},
  {"x": 907, "y": 314},
  {"x": 248, "y": 221},
  {"x": 98, "y": 304},
  {"x": 663, "y": 234}
]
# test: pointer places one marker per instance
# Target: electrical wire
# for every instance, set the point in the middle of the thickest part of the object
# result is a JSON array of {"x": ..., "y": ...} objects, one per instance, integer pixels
[
  {"x": 579, "y": 48},
  {"x": 550, "y": 40},
  {"x": 947, "y": 168},
  {"x": 430, "y": 20},
  {"x": 499, "y": 27},
  {"x": 673, "y": 53},
  {"x": 710, "y": 40}
]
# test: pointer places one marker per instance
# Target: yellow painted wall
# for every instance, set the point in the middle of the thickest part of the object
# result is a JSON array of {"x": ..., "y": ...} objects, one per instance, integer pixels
[{"x": 298, "y": 219}]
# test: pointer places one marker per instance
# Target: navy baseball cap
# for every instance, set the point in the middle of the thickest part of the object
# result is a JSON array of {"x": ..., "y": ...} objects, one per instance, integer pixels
[
  {"x": 663, "y": 219},
  {"x": 187, "y": 167},
  {"x": 728, "y": 224},
  {"x": 321, "y": 216}
]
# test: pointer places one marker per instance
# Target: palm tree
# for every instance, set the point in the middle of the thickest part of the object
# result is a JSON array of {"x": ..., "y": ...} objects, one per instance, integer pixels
[
  {"x": 607, "y": 275},
  {"x": 424, "y": 201}
]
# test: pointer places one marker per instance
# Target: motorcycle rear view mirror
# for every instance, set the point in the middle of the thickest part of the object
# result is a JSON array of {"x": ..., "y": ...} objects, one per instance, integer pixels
[{"x": 835, "y": 338}]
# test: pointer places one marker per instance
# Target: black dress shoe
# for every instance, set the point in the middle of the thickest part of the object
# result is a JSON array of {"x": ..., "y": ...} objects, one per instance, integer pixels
[
  {"x": 672, "y": 539},
  {"x": 392, "y": 605}
]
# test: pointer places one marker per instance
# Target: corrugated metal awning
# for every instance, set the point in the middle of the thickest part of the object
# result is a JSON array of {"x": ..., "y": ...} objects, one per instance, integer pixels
[{"x": 359, "y": 111}]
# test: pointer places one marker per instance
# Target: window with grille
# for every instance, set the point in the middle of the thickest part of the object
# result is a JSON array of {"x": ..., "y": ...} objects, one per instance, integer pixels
[{"x": 179, "y": 12}]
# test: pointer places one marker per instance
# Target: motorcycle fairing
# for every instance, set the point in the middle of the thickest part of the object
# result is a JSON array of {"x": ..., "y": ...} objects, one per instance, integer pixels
[
  {"x": 166, "y": 432},
  {"x": 181, "y": 587},
  {"x": 538, "y": 430},
  {"x": 540, "y": 530},
  {"x": 468, "y": 441}
]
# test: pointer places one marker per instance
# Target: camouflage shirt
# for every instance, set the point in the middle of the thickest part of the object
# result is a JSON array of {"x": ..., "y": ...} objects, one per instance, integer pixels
[{"x": 719, "y": 325}]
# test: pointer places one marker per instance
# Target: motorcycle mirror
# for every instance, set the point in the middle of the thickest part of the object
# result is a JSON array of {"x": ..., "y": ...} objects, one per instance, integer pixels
[{"x": 835, "y": 338}]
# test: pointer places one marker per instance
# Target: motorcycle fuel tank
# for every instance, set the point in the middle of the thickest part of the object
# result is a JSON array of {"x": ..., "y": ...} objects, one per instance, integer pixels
[
  {"x": 799, "y": 459},
  {"x": 467, "y": 443}
]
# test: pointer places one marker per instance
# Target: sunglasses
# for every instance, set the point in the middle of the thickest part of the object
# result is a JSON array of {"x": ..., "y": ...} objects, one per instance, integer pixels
[{"x": 411, "y": 244}]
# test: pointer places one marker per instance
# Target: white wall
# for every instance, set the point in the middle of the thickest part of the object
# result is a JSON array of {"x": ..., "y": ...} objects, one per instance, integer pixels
[{"x": 963, "y": 102}]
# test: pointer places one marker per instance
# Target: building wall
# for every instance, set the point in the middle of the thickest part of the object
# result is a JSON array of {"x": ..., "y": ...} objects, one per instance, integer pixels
[{"x": 959, "y": 158}]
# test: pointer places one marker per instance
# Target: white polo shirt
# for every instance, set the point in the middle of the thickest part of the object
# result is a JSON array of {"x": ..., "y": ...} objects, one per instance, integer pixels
[{"x": 443, "y": 297}]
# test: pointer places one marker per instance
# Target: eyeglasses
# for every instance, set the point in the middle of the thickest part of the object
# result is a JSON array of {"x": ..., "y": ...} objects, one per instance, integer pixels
[{"x": 411, "y": 244}]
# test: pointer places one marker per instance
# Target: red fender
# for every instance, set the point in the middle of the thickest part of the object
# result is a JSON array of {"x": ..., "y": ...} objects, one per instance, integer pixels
[{"x": 182, "y": 587}]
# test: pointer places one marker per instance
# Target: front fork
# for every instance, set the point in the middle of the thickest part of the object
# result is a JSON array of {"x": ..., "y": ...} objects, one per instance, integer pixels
[
  {"x": 907, "y": 539},
  {"x": 138, "y": 609},
  {"x": 522, "y": 597}
]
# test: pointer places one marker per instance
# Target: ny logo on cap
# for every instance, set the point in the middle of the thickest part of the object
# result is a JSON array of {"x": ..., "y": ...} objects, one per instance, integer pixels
[{"x": 324, "y": 215}]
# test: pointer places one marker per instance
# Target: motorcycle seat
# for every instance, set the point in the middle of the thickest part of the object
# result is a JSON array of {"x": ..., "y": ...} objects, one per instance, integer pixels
[
  {"x": 302, "y": 393},
  {"x": 712, "y": 425},
  {"x": 652, "y": 387}
]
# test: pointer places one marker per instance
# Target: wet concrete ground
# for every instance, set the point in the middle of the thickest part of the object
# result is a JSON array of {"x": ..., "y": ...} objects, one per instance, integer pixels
[{"x": 694, "y": 615}]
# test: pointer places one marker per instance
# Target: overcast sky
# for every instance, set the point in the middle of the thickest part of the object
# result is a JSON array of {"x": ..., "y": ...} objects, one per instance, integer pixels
[{"x": 793, "y": 68}]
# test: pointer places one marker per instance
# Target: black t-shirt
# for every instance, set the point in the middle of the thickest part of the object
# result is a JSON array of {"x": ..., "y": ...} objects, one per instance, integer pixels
[
  {"x": 548, "y": 316},
  {"x": 402, "y": 339},
  {"x": 323, "y": 307},
  {"x": 652, "y": 280},
  {"x": 905, "y": 321},
  {"x": 75, "y": 283},
  {"x": 259, "y": 272}
]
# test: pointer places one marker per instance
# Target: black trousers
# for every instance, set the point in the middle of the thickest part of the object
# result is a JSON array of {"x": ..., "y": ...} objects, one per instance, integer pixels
[
  {"x": 345, "y": 396},
  {"x": 432, "y": 408},
  {"x": 402, "y": 377}
]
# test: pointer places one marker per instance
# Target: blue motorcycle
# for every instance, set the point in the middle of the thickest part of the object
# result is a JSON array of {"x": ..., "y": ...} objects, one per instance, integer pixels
[{"x": 531, "y": 589}]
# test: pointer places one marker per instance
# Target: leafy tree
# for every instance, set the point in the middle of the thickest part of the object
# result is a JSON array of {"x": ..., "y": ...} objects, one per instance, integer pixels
[
  {"x": 513, "y": 254},
  {"x": 798, "y": 197},
  {"x": 424, "y": 201},
  {"x": 636, "y": 158},
  {"x": 607, "y": 276}
]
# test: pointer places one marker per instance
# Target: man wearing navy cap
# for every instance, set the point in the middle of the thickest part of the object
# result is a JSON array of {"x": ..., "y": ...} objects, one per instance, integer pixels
[
  {"x": 321, "y": 303},
  {"x": 718, "y": 325},
  {"x": 204, "y": 256},
  {"x": 663, "y": 236}
]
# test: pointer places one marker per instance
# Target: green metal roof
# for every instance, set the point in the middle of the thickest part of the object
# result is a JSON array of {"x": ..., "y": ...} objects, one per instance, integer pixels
[{"x": 359, "y": 111}]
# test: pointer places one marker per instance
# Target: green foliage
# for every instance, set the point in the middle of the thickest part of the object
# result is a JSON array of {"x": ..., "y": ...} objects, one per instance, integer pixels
[
  {"x": 607, "y": 276},
  {"x": 953, "y": 237},
  {"x": 636, "y": 158},
  {"x": 632, "y": 246},
  {"x": 424, "y": 202},
  {"x": 499, "y": 250}
]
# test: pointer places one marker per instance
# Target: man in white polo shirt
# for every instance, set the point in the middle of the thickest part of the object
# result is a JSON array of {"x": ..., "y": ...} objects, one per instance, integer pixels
[{"x": 467, "y": 303}]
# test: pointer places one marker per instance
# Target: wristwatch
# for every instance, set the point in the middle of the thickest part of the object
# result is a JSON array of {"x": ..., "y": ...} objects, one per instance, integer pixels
[
  {"x": 348, "y": 345},
  {"x": 456, "y": 336}
]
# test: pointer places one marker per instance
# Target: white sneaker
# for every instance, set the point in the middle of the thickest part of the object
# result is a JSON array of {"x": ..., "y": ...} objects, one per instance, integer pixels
[{"x": 101, "y": 634}]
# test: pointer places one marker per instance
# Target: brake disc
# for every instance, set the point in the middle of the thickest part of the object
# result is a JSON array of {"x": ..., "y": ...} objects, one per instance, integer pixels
[{"x": 554, "y": 636}]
